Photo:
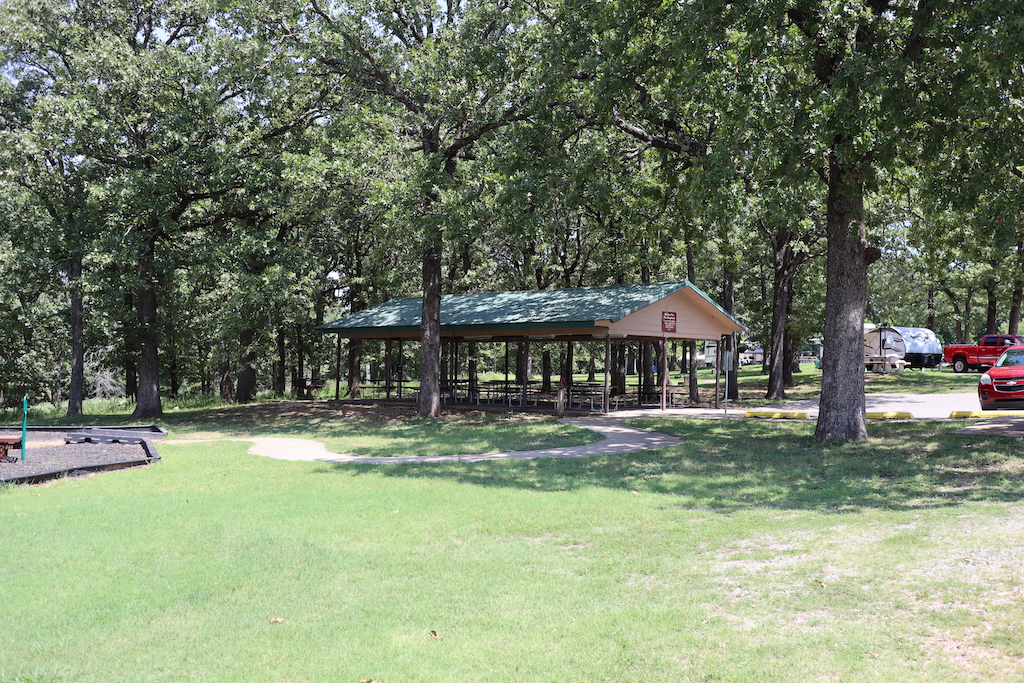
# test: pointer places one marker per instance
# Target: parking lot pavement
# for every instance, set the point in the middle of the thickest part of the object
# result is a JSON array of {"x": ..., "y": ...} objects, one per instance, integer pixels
[{"x": 921, "y": 406}]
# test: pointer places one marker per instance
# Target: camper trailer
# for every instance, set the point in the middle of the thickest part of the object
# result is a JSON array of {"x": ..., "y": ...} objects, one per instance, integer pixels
[{"x": 918, "y": 347}]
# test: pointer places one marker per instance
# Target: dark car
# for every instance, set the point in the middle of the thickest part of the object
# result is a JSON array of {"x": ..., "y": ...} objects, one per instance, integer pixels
[{"x": 1002, "y": 385}]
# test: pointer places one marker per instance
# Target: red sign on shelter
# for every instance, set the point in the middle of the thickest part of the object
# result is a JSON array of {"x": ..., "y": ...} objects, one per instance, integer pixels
[{"x": 668, "y": 321}]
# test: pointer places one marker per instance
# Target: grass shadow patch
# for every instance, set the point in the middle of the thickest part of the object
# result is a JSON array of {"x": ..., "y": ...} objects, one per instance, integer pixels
[{"x": 732, "y": 465}]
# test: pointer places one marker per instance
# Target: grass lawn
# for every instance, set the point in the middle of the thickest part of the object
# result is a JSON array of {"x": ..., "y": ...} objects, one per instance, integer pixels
[
  {"x": 381, "y": 430},
  {"x": 748, "y": 553},
  {"x": 363, "y": 429},
  {"x": 753, "y": 384}
]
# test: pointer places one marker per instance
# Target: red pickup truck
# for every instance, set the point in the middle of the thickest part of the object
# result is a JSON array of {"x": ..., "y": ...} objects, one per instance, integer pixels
[{"x": 964, "y": 357}]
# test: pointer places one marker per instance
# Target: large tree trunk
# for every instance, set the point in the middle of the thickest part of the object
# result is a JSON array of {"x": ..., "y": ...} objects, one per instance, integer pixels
[
  {"x": 76, "y": 389},
  {"x": 1015, "y": 304},
  {"x": 786, "y": 263},
  {"x": 226, "y": 386},
  {"x": 205, "y": 381},
  {"x": 792, "y": 364},
  {"x": 618, "y": 378},
  {"x": 131, "y": 355},
  {"x": 1017, "y": 296},
  {"x": 991, "y": 307},
  {"x": 691, "y": 274},
  {"x": 523, "y": 363},
  {"x": 131, "y": 377},
  {"x": 355, "y": 359},
  {"x": 299, "y": 372},
  {"x": 565, "y": 362},
  {"x": 930, "y": 324},
  {"x": 777, "y": 351},
  {"x": 647, "y": 361},
  {"x": 729, "y": 304},
  {"x": 148, "y": 401},
  {"x": 841, "y": 415},
  {"x": 430, "y": 335},
  {"x": 173, "y": 376},
  {"x": 958, "y": 317},
  {"x": 280, "y": 365},
  {"x": 246, "y": 387}
]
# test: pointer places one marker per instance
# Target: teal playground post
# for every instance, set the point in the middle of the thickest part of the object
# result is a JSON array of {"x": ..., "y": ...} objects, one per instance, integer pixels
[{"x": 24, "y": 426}]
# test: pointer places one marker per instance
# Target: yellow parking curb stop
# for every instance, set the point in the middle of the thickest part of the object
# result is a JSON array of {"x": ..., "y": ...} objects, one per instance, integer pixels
[{"x": 776, "y": 413}]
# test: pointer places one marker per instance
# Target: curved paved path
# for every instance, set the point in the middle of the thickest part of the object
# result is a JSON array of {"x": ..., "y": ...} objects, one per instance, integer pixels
[{"x": 618, "y": 438}]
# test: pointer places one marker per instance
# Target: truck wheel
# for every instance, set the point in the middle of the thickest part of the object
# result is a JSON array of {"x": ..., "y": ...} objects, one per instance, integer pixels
[{"x": 960, "y": 365}]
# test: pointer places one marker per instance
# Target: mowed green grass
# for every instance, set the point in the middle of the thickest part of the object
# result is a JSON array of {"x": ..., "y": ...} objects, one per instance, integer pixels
[
  {"x": 749, "y": 553},
  {"x": 753, "y": 384},
  {"x": 364, "y": 429},
  {"x": 461, "y": 434}
]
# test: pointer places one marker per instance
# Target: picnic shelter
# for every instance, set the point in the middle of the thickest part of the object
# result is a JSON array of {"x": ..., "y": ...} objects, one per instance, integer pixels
[{"x": 656, "y": 312}]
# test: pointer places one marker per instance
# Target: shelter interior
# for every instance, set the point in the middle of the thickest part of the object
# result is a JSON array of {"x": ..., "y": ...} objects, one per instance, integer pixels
[{"x": 629, "y": 326}]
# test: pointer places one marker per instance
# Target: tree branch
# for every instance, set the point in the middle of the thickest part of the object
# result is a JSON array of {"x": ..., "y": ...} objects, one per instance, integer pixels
[{"x": 691, "y": 147}]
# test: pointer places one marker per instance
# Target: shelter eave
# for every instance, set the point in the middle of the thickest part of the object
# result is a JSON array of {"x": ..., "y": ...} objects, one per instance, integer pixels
[
  {"x": 536, "y": 330},
  {"x": 401, "y": 332},
  {"x": 672, "y": 310}
]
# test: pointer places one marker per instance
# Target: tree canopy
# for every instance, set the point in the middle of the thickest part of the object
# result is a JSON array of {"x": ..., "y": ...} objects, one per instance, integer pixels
[{"x": 189, "y": 187}]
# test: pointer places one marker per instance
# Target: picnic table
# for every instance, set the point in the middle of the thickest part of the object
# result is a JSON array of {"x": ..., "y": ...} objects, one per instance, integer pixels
[
  {"x": 307, "y": 386},
  {"x": 884, "y": 364},
  {"x": 589, "y": 395},
  {"x": 508, "y": 393},
  {"x": 8, "y": 443}
]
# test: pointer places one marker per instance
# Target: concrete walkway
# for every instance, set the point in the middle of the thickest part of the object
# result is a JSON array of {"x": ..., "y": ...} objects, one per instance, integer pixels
[{"x": 617, "y": 438}]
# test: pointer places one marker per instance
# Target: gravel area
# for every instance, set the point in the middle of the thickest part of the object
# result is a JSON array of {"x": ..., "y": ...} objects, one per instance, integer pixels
[{"x": 47, "y": 452}]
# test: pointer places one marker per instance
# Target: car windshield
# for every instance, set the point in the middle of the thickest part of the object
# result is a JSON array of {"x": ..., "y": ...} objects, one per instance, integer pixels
[{"x": 1011, "y": 357}]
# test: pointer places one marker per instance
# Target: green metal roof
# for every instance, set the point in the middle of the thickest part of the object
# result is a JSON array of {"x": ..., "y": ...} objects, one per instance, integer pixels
[{"x": 546, "y": 308}]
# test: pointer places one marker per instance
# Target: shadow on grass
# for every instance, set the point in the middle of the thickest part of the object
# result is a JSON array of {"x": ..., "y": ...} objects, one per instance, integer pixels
[
  {"x": 732, "y": 465},
  {"x": 276, "y": 417}
]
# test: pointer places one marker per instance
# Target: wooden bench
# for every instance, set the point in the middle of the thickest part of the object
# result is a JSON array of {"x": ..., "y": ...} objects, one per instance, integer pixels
[
  {"x": 93, "y": 435},
  {"x": 307, "y": 386},
  {"x": 8, "y": 443}
]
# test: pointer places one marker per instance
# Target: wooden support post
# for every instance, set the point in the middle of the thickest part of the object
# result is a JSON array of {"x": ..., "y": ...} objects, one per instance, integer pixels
[
  {"x": 524, "y": 370},
  {"x": 634, "y": 353},
  {"x": 474, "y": 390},
  {"x": 388, "y": 379},
  {"x": 401, "y": 365},
  {"x": 718, "y": 374},
  {"x": 606, "y": 394},
  {"x": 663, "y": 369}
]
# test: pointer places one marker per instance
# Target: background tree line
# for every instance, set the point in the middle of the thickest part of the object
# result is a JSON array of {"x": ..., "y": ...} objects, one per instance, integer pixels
[{"x": 189, "y": 187}]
